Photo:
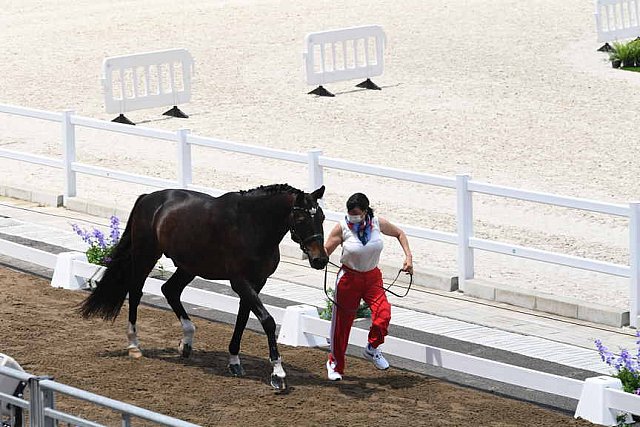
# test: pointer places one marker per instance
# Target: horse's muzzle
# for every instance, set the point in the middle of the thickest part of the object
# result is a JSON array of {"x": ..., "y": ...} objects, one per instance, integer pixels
[{"x": 318, "y": 262}]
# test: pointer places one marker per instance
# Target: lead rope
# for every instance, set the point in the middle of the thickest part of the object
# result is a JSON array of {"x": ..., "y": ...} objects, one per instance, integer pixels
[{"x": 387, "y": 289}]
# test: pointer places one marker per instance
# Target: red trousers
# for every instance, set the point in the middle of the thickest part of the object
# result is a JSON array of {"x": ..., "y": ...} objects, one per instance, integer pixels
[{"x": 353, "y": 286}]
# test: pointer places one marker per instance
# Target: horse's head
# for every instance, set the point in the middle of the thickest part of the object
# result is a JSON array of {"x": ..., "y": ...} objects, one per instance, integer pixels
[{"x": 306, "y": 227}]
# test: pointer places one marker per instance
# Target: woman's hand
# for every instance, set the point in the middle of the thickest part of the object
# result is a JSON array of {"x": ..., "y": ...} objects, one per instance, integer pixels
[{"x": 408, "y": 265}]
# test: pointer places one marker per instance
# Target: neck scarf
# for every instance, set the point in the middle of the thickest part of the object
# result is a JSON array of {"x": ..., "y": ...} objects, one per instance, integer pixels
[{"x": 362, "y": 229}]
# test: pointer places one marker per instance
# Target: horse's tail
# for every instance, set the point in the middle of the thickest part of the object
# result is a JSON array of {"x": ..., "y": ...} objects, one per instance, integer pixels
[{"x": 108, "y": 296}]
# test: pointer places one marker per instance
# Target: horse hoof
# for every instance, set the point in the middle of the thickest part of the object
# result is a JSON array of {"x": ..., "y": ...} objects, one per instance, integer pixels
[
  {"x": 278, "y": 383},
  {"x": 185, "y": 350},
  {"x": 236, "y": 370},
  {"x": 135, "y": 353}
]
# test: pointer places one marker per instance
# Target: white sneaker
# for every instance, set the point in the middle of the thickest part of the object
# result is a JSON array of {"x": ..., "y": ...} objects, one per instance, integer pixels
[
  {"x": 331, "y": 373},
  {"x": 375, "y": 355}
]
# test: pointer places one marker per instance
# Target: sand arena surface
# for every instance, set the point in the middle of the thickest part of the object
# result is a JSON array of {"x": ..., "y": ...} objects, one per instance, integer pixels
[
  {"x": 512, "y": 92},
  {"x": 48, "y": 338}
]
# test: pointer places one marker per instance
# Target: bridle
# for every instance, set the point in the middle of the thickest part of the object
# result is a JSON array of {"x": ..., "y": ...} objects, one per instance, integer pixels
[{"x": 296, "y": 237}]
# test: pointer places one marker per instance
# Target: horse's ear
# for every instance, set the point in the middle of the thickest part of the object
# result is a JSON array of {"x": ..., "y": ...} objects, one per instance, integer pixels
[{"x": 318, "y": 193}]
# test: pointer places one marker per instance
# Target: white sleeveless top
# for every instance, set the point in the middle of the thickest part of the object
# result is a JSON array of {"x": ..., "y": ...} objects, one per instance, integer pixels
[{"x": 357, "y": 256}]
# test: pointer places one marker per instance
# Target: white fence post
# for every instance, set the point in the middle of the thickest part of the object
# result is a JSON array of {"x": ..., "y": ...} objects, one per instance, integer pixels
[
  {"x": 68, "y": 153},
  {"x": 185, "y": 173},
  {"x": 464, "y": 209},
  {"x": 315, "y": 170},
  {"x": 634, "y": 263}
]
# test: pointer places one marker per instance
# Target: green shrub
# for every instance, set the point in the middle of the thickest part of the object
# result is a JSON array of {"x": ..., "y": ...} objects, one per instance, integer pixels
[
  {"x": 363, "y": 310},
  {"x": 627, "y": 53}
]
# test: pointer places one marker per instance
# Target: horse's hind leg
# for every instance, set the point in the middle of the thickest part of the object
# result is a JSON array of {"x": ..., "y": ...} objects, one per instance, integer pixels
[
  {"x": 244, "y": 309},
  {"x": 142, "y": 267},
  {"x": 172, "y": 289}
]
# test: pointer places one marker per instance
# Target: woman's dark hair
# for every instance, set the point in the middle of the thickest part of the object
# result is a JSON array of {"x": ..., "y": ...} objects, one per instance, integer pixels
[{"x": 360, "y": 201}]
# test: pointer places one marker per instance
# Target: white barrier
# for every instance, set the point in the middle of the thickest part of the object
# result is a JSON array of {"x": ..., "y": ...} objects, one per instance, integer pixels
[
  {"x": 592, "y": 405},
  {"x": 316, "y": 163},
  {"x": 344, "y": 54},
  {"x": 617, "y": 19},
  {"x": 63, "y": 276},
  {"x": 147, "y": 80},
  {"x": 292, "y": 331}
]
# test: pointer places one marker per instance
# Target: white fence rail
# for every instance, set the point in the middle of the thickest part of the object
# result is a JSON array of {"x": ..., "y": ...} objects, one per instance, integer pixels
[
  {"x": 344, "y": 54},
  {"x": 147, "y": 80},
  {"x": 316, "y": 163},
  {"x": 417, "y": 352},
  {"x": 617, "y": 19}
]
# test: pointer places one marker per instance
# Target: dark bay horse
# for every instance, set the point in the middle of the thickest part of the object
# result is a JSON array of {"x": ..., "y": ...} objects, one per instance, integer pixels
[{"x": 233, "y": 237}]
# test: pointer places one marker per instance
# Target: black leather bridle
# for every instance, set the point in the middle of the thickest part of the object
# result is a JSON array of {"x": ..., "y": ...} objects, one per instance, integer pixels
[{"x": 296, "y": 237}]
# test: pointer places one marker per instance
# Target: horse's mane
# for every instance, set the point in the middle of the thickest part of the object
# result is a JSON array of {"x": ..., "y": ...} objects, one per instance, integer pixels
[{"x": 265, "y": 190}]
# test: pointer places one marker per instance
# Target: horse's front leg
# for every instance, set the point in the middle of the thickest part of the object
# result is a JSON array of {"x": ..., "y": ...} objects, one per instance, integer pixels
[{"x": 249, "y": 296}]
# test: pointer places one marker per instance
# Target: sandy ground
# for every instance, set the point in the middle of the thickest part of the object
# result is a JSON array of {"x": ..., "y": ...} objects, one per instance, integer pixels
[
  {"x": 511, "y": 92},
  {"x": 48, "y": 338}
]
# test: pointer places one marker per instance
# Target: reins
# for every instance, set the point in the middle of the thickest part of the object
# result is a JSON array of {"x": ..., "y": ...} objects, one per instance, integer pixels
[{"x": 387, "y": 289}]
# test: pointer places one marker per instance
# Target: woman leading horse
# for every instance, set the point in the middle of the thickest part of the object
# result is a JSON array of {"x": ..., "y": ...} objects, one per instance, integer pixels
[{"x": 233, "y": 237}]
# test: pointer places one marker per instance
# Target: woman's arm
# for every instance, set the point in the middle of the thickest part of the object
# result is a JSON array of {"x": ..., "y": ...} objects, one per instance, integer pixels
[
  {"x": 391, "y": 230},
  {"x": 334, "y": 239}
]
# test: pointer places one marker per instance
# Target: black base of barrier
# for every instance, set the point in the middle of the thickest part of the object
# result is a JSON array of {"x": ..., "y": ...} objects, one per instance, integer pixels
[
  {"x": 605, "y": 48},
  {"x": 175, "y": 112},
  {"x": 320, "y": 91},
  {"x": 368, "y": 84},
  {"x": 122, "y": 119}
]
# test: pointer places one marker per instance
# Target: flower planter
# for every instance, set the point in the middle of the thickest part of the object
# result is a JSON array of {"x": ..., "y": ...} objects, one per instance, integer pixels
[{"x": 616, "y": 63}]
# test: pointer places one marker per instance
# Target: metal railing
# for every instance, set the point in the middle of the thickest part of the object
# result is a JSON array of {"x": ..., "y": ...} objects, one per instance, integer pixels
[{"x": 42, "y": 398}]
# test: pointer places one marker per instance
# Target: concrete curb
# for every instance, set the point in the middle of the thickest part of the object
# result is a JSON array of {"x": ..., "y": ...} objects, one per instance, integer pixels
[
  {"x": 32, "y": 195},
  {"x": 548, "y": 303}
]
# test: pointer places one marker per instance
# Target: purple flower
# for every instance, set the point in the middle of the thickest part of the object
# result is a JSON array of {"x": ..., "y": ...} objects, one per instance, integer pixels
[
  {"x": 626, "y": 360},
  {"x": 605, "y": 354},
  {"x": 99, "y": 238},
  {"x": 86, "y": 236},
  {"x": 115, "y": 229},
  {"x": 627, "y": 366},
  {"x": 99, "y": 246}
]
